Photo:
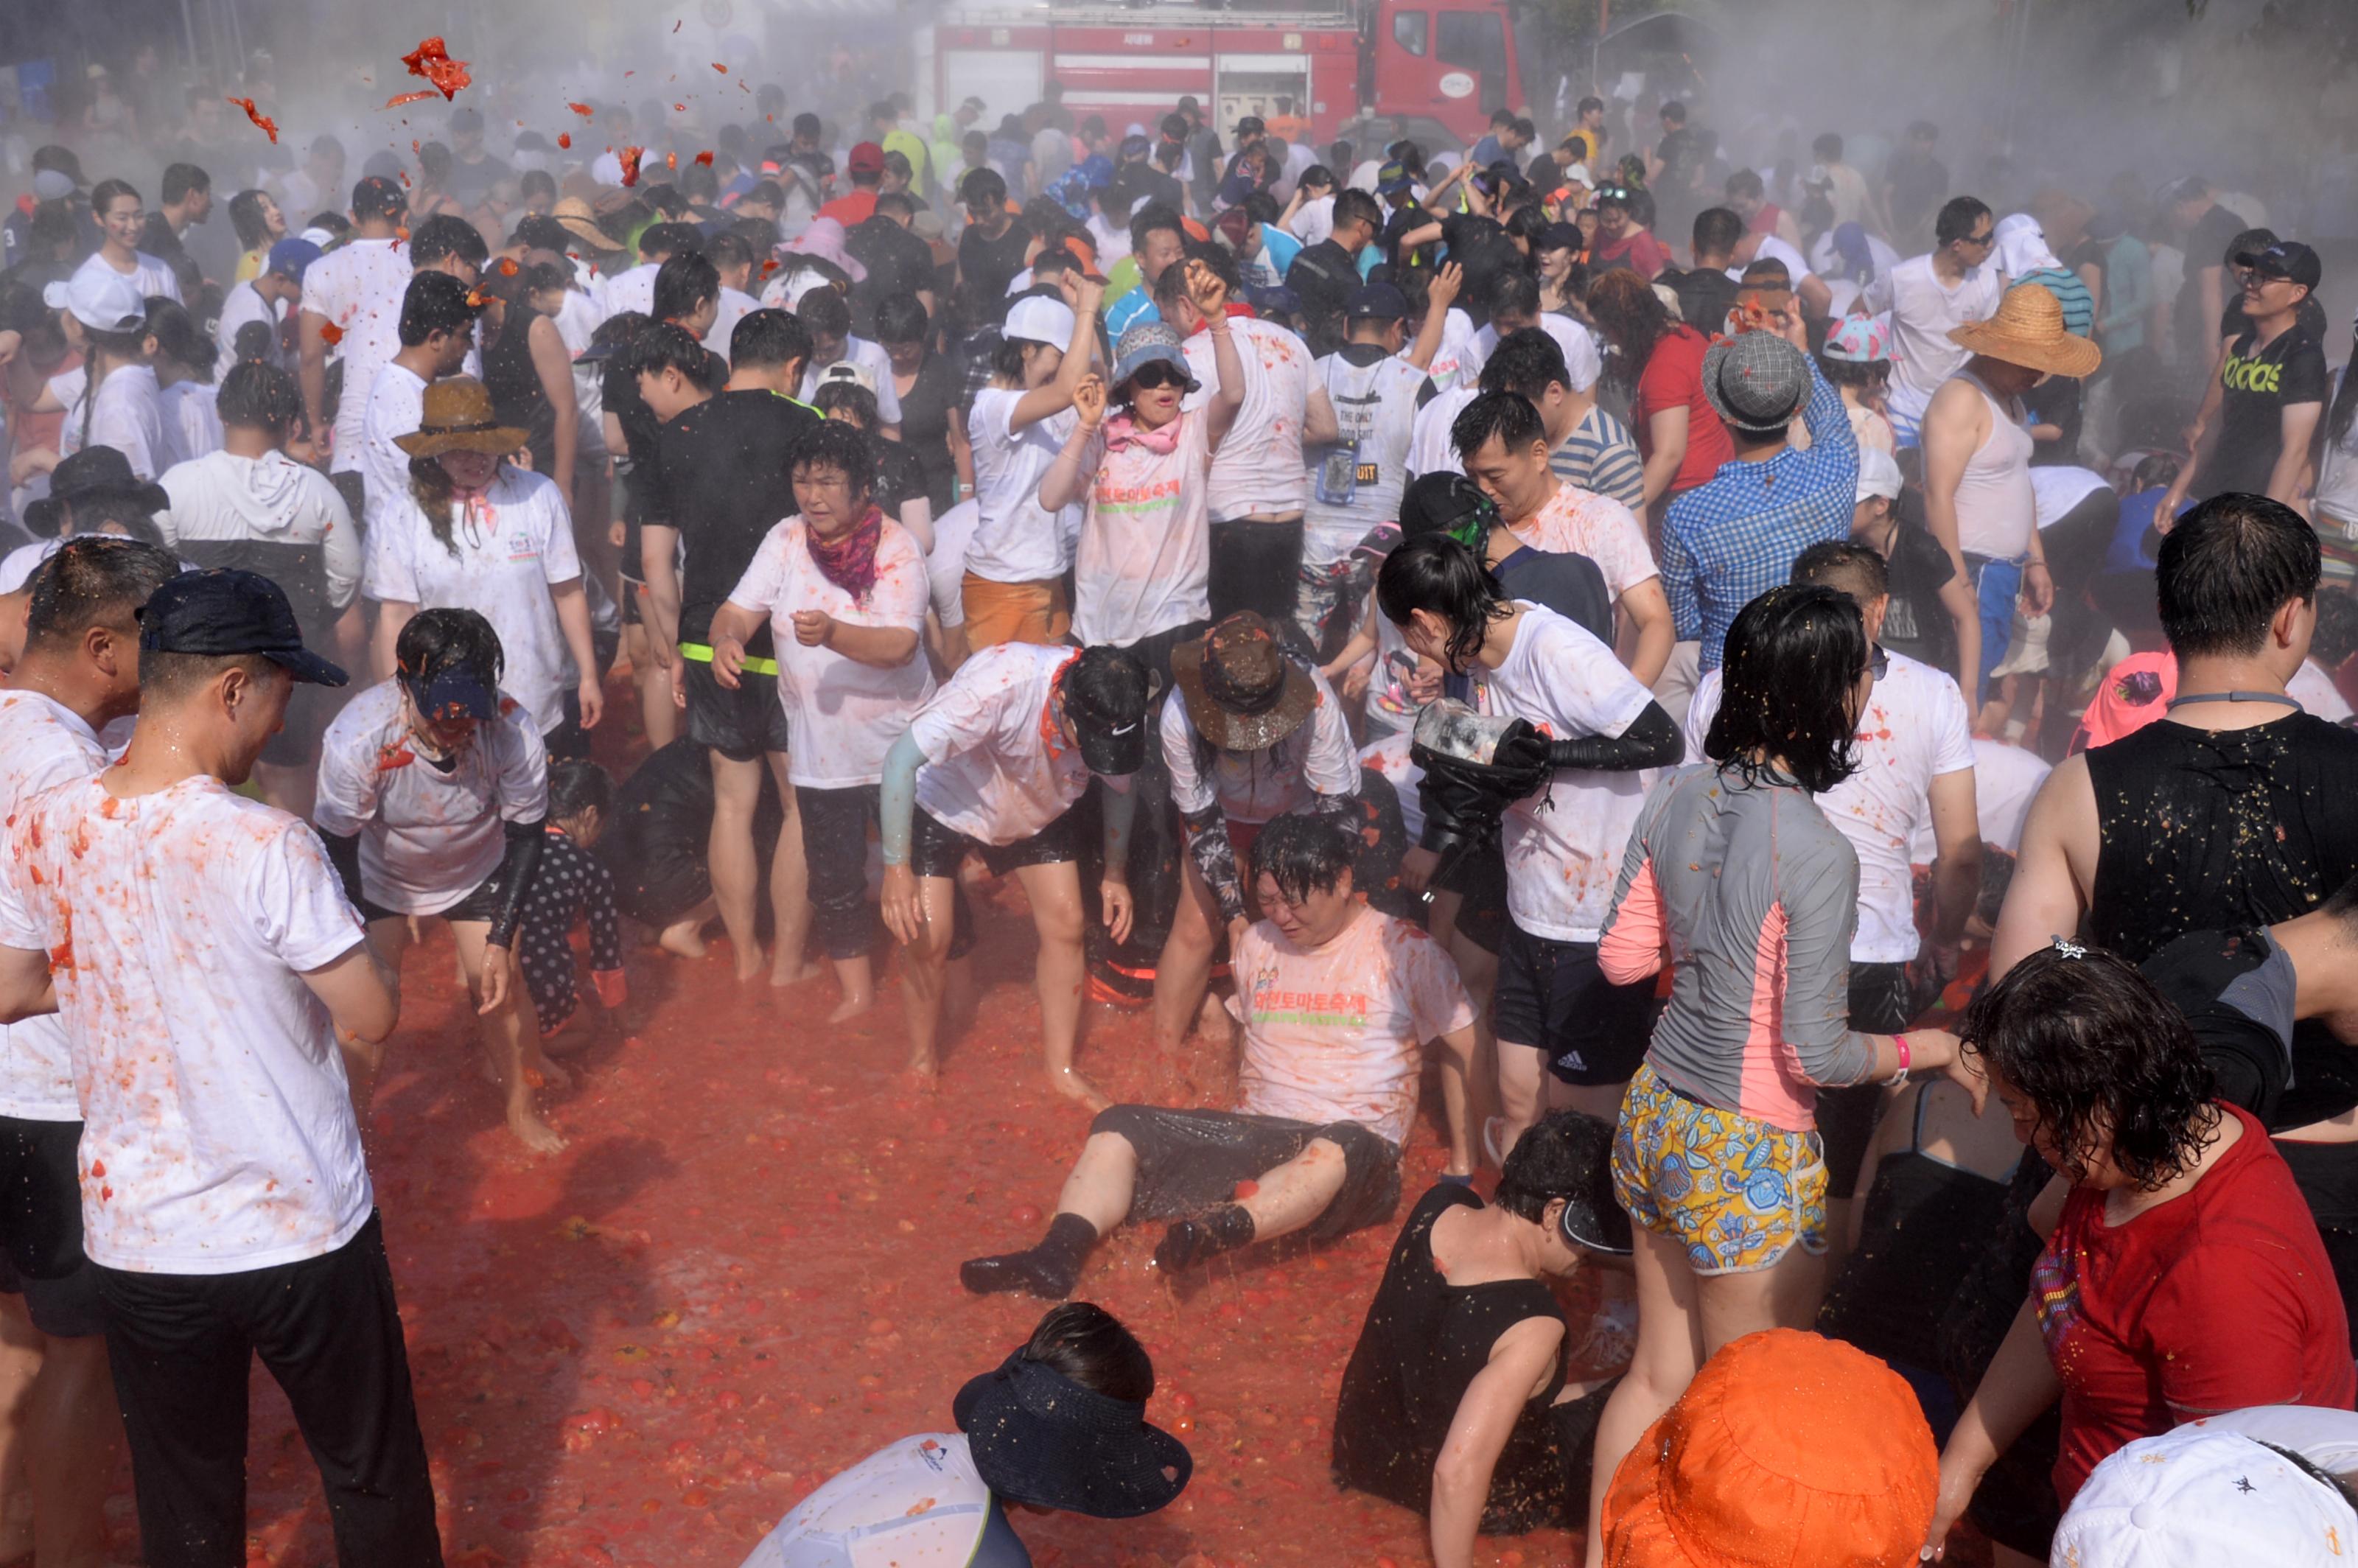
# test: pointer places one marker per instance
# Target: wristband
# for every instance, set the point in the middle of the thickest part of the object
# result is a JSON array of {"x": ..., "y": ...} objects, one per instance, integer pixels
[
  {"x": 753, "y": 664},
  {"x": 1900, "y": 1045}
]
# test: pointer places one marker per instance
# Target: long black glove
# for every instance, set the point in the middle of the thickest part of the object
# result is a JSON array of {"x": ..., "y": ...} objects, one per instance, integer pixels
[
  {"x": 344, "y": 854},
  {"x": 1463, "y": 800},
  {"x": 518, "y": 869},
  {"x": 1651, "y": 741}
]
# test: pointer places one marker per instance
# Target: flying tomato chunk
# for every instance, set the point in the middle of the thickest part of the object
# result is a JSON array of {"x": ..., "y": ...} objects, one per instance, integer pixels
[
  {"x": 268, "y": 126},
  {"x": 431, "y": 61}
]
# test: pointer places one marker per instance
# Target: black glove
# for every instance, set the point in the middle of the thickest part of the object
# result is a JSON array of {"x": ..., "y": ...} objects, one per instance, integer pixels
[
  {"x": 1463, "y": 800},
  {"x": 1651, "y": 741}
]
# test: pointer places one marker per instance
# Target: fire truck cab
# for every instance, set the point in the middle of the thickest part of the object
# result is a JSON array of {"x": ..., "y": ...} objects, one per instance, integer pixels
[{"x": 1449, "y": 60}]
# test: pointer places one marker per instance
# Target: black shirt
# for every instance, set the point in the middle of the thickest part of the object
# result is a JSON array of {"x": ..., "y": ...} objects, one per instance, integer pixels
[
  {"x": 2206, "y": 247},
  {"x": 1918, "y": 623},
  {"x": 1324, "y": 276},
  {"x": 725, "y": 481},
  {"x": 1401, "y": 221},
  {"x": 1918, "y": 186},
  {"x": 989, "y": 266},
  {"x": 897, "y": 263},
  {"x": 1705, "y": 296},
  {"x": 2257, "y": 383},
  {"x": 1163, "y": 190},
  {"x": 925, "y": 424}
]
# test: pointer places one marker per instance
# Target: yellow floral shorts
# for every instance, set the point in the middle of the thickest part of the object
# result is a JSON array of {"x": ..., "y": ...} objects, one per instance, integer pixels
[{"x": 1737, "y": 1193}]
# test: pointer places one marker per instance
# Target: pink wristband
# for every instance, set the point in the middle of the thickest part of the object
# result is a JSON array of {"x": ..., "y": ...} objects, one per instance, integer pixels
[{"x": 1900, "y": 1043}]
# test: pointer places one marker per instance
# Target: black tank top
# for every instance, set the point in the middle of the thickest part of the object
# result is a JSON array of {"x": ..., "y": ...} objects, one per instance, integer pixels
[
  {"x": 1424, "y": 1342},
  {"x": 2201, "y": 830},
  {"x": 514, "y": 382}
]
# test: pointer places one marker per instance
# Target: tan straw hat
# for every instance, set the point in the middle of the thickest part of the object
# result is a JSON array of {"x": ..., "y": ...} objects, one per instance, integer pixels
[
  {"x": 574, "y": 216},
  {"x": 2029, "y": 331},
  {"x": 458, "y": 417}
]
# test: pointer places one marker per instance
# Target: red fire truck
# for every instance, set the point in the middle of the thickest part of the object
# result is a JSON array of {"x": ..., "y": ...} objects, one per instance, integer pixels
[{"x": 1446, "y": 60}]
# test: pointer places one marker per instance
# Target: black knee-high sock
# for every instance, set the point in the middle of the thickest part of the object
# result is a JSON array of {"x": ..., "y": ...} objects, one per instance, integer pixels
[
  {"x": 1190, "y": 1241},
  {"x": 1048, "y": 1269}
]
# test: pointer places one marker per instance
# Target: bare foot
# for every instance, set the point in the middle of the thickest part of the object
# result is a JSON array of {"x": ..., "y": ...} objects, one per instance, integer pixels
[
  {"x": 685, "y": 938},
  {"x": 851, "y": 1007},
  {"x": 923, "y": 1072},
  {"x": 534, "y": 1133},
  {"x": 1072, "y": 1086},
  {"x": 750, "y": 959},
  {"x": 784, "y": 974}
]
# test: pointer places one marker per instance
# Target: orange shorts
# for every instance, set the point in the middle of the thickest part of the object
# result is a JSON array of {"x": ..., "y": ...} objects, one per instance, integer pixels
[{"x": 999, "y": 612}]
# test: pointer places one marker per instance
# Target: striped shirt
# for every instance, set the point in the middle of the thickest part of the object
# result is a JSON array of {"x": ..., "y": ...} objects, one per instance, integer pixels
[
  {"x": 2072, "y": 293},
  {"x": 1600, "y": 455},
  {"x": 1734, "y": 536}
]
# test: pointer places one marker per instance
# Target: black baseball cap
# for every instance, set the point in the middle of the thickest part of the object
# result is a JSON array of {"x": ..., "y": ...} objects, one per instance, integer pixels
[
  {"x": 226, "y": 612},
  {"x": 2287, "y": 259},
  {"x": 1377, "y": 302},
  {"x": 1106, "y": 692},
  {"x": 1250, "y": 125}
]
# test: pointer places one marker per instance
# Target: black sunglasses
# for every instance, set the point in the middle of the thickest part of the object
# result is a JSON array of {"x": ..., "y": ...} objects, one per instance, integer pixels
[{"x": 1159, "y": 372}]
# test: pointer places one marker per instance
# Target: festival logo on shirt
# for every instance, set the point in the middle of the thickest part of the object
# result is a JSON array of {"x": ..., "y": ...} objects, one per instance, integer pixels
[{"x": 1274, "y": 1004}]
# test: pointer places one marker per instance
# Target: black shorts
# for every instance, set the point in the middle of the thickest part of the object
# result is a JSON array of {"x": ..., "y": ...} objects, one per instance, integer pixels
[
  {"x": 741, "y": 725},
  {"x": 40, "y": 1219},
  {"x": 1882, "y": 1002},
  {"x": 1191, "y": 1161},
  {"x": 354, "y": 488},
  {"x": 483, "y": 904},
  {"x": 1479, "y": 880},
  {"x": 935, "y": 850},
  {"x": 1553, "y": 996}
]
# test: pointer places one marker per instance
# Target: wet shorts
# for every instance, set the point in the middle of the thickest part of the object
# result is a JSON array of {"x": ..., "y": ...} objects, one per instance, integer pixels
[
  {"x": 741, "y": 725},
  {"x": 483, "y": 904},
  {"x": 40, "y": 1217},
  {"x": 936, "y": 850},
  {"x": 1553, "y": 996},
  {"x": 1736, "y": 1193},
  {"x": 1191, "y": 1161}
]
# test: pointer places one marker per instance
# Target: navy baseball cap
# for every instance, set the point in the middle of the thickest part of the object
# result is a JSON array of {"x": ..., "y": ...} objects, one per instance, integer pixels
[
  {"x": 452, "y": 692},
  {"x": 1377, "y": 302},
  {"x": 225, "y": 611},
  {"x": 292, "y": 257}
]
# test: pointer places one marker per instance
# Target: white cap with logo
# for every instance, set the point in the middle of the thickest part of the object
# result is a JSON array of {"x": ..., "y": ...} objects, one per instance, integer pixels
[{"x": 2206, "y": 1496}]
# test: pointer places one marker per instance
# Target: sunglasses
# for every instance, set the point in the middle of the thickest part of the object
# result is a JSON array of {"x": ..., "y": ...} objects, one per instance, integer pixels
[
  {"x": 1982, "y": 241},
  {"x": 1159, "y": 374}
]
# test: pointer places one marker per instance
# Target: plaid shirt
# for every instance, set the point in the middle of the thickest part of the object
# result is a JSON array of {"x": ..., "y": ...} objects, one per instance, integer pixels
[{"x": 1734, "y": 536}]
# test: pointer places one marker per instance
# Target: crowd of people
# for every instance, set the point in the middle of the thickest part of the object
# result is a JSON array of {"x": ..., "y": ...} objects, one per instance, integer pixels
[{"x": 1635, "y": 636}]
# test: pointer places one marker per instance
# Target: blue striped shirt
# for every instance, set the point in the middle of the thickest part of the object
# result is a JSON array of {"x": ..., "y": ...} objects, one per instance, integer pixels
[
  {"x": 1734, "y": 536},
  {"x": 1600, "y": 455}
]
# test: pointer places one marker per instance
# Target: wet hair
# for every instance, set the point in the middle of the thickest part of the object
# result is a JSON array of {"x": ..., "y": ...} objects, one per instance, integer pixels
[
  {"x": 1508, "y": 416},
  {"x": 1631, "y": 317},
  {"x": 1155, "y": 217},
  {"x": 433, "y": 641},
  {"x": 577, "y": 785},
  {"x": 180, "y": 178},
  {"x": 246, "y": 217},
  {"x": 899, "y": 201},
  {"x": 669, "y": 240},
  {"x": 539, "y": 231},
  {"x": 1304, "y": 852},
  {"x": 257, "y": 396},
  {"x": 769, "y": 337},
  {"x": 254, "y": 341},
  {"x": 1792, "y": 659},
  {"x": 826, "y": 313},
  {"x": 2103, "y": 1059},
  {"x": 94, "y": 579},
  {"x": 983, "y": 190},
  {"x": 700, "y": 184},
  {"x": 901, "y": 318},
  {"x": 177, "y": 339},
  {"x": 685, "y": 281},
  {"x": 832, "y": 397},
  {"x": 665, "y": 345},
  {"x": 106, "y": 190},
  {"x": 1853, "y": 570},
  {"x": 1084, "y": 1343},
  {"x": 1515, "y": 293},
  {"x": 1717, "y": 230},
  {"x": 2226, "y": 567},
  {"x": 1526, "y": 362},
  {"x": 445, "y": 235},
  {"x": 435, "y": 302},
  {"x": 1852, "y": 372},
  {"x": 1956, "y": 219},
  {"x": 833, "y": 444},
  {"x": 1436, "y": 573},
  {"x": 728, "y": 249},
  {"x": 1563, "y": 1154},
  {"x": 1354, "y": 205}
]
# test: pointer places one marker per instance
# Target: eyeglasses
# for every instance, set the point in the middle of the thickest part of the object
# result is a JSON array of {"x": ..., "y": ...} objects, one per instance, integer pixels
[
  {"x": 1159, "y": 373},
  {"x": 1981, "y": 241}
]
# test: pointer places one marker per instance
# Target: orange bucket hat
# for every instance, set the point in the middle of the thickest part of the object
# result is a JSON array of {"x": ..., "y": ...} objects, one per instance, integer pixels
[{"x": 1787, "y": 1451}]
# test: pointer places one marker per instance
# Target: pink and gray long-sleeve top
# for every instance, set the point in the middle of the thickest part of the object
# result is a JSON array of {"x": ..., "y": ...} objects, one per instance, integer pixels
[{"x": 1755, "y": 895}]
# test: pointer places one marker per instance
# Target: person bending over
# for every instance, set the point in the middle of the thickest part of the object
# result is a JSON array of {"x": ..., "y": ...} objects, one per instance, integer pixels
[
  {"x": 434, "y": 800},
  {"x": 1454, "y": 1402},
  {"x": 995, "y": 762},
  {"x": 572, "y": 885},
  {"x": 1336, "y": 1001}
]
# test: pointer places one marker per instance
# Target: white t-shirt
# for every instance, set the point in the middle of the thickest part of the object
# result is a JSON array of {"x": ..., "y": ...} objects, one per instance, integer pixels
[
  {"x": 1313, "y": 221},
  {"x": 577, "y": 325},
  {"x": 395, "y": 405},
  {"x": 45, "y": 744},
  {"x": 2005, "y": 779},
  {"x": 192, "y": 426},
  {"x": 946, "y": 564},
  {"x": 1259, "y": 466},
  {"x": 735, "y": 305},
  {"x": 1457, "y": 363},
  {"x": 149, "y": 275},
  {"x": 872, "y": 358},
  {"x": 1336, "y": 1034},
  {"x": 2056, "y": 488},
  {"x": 1430, "y": 448},
  {"x": 841, "y": 716},
  {"x": 127, "y": 413},
  {"x": 2315, "y": 691},
  {"x": 1563, "y": 844},
  {"x": 997, "y": 767},
  {"x": 242, "y": 305},
  {"x": 1144, "y": 561},
  {"x": 1316, "y": 759},
  {"x": 501, "y": 560},
  {"x": 428, "y": 838},
  {"x": 272, "y": 499},
  {"x": 1392, "y": 757},
  {"x": 218, "y": 1134},
  {"x": 1915, "y": 730},
  {"x": 1772, "y": 248},
  {"x": 359, "y": 288},
  {"x": 1923, "y": 309},
  {"x": 1016, "y": 540},
  {"x": 915, "y": 1501},
  {"x": 17, "y": 566},
  {"x": 1825, "y": 261},
  {"x": 633, "y": 288},
  {"x": 1583, "y": 523},
  {"x": 1356, "y": 485},
  {"x": 1582, "y": 361}
]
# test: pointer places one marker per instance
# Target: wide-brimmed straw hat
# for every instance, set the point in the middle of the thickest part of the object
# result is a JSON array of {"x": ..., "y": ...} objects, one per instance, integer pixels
[
  {"x": 458, "y": 417},
  {"x": 1241, "y": 691},
  {"x": 1038, "y": 1437},
  {"x": 1786, "y": 1448},
  {"x": 577, "y": 218},
  {"x": 2029, "y": 331}
]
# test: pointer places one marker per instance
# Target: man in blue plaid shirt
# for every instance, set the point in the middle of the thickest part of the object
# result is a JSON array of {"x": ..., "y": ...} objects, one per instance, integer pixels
[{"x": 1735, "y": 536}]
